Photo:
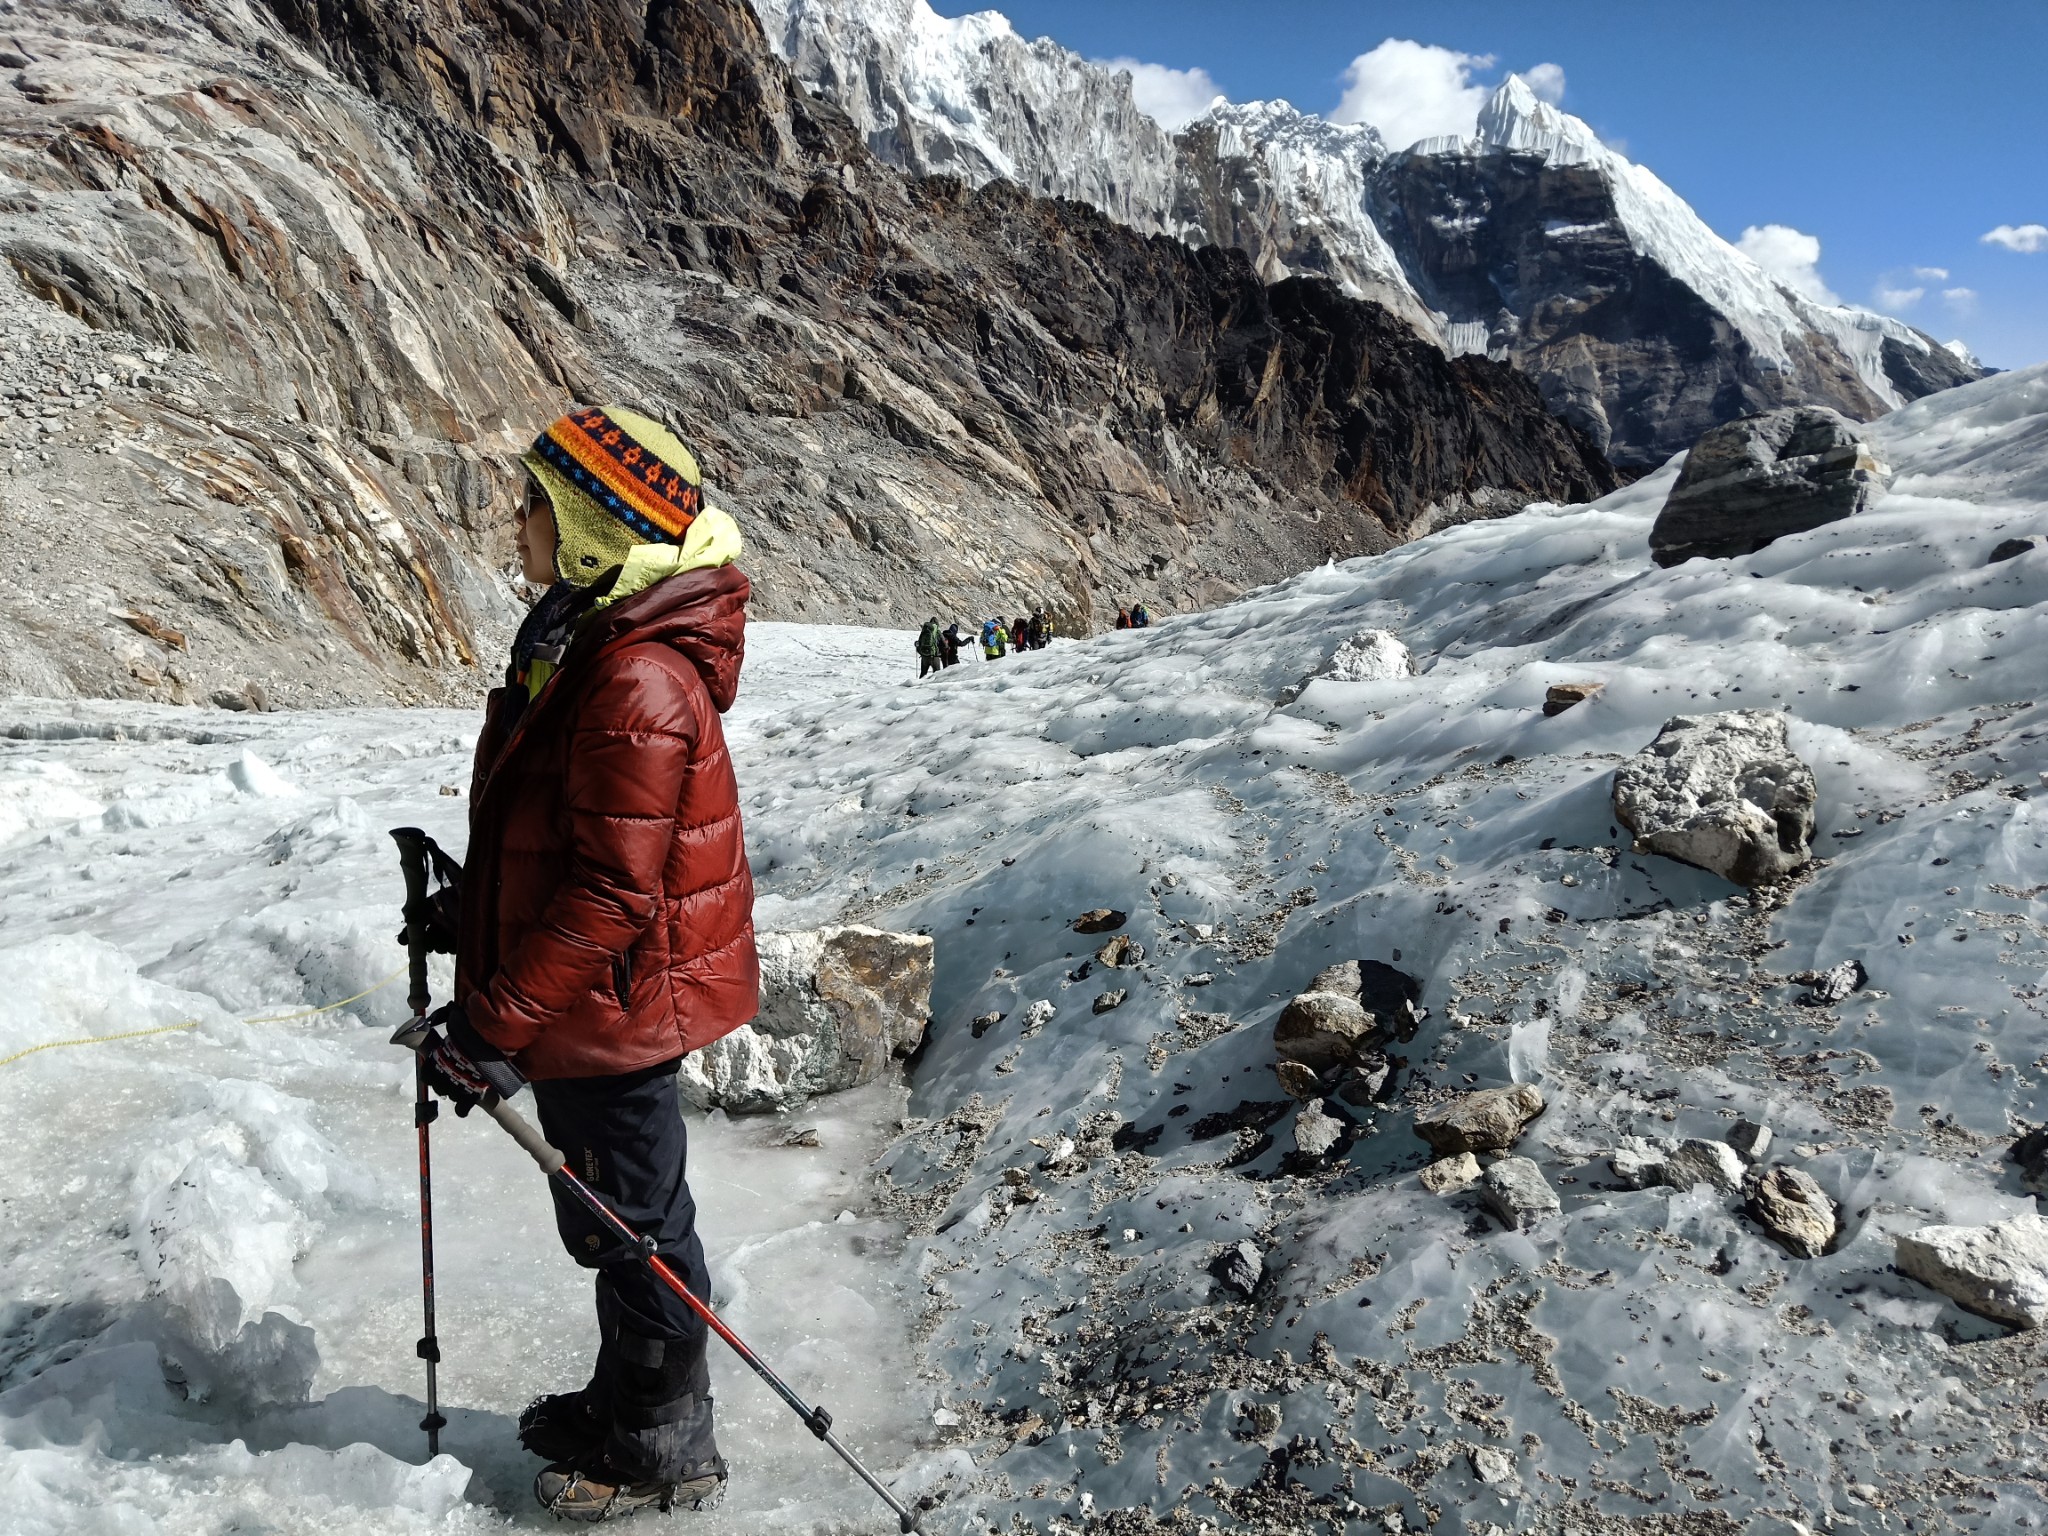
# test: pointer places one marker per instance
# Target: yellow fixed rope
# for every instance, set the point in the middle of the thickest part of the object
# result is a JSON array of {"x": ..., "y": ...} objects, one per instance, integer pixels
[{"x": 184, "y": 1024}]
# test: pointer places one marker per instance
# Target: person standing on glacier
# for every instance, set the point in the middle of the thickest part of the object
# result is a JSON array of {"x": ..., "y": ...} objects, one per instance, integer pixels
[
  {"x": 607, "y": 920},
  {"x": 928, "y": 648}
]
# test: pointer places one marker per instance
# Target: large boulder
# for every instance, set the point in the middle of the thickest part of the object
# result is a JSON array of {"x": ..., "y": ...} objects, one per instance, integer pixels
[
  {"x": 1322, "y": 1030},
  {"x": 1392, "y": 997},
  {"x": 1347, "y": 1013},
  {"x": 2000, "y": 1271},
  {"x": 1792, "y": 1207},
  {"x": 836, "y": 1005},
  {"x": 1491, "y": 1120},
  {"x": 1698, "y": 1161},
  {"x": 1370, "y": 656},
  {"x": 1515, "y": 1190},
  {"x": 1724, "y": 792},
  {"x": 1763, "y": 477}
]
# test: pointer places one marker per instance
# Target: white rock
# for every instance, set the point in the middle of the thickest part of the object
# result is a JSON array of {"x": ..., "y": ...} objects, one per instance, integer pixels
[
  {"x": 1515, "y": 1190},
  {"x": 1750, "y": 1140},
  {"x": 1637, "y": 1163},
  {"x": 1315, "y": 1130},
  {"x": 1723, "y": 792},
  {"x": 1370, "y": 656},
  {"x": 1448, "y": 1175},
  {"x": 836, "y": 1005},
  {"x": 1698, "y": 1161},
  {"x": 1492, "y": 1466},
  {"x": 2000, "y": 1271}
]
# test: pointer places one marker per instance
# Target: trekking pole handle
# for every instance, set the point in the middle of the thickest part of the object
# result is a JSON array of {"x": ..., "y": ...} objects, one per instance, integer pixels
[
  {"x": 516, "y": 1125},
  {"x": 413, "y": 1035},
  {"x": 412, "y": 859}
]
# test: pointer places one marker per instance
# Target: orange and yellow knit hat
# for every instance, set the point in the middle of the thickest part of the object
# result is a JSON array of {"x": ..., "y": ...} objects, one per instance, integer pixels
[{"x": 617, "y": 479}]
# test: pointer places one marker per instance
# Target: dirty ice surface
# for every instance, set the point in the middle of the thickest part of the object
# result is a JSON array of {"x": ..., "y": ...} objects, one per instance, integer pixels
[
  {"x": 1090, "y": 1139},
  {"x": 209, "y": 1252}
]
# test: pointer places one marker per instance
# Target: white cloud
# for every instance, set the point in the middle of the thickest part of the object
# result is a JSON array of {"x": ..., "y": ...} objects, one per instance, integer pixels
[
  {"x": 1931, "y": 274},
  {"x": 2024, "y": 238},
  {"x": 1788, "y": 256},
  {"x": 1961, "y": 301},
  {"x": 1546, "y": 80},
  {"x": 1889, "y": 297},
  {"x": 1173, "y": 97},
  {"x": 1411, "y": 91}
]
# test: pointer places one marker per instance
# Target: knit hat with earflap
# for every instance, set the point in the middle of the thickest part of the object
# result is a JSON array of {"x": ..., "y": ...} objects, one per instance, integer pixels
[{"x": 617, "y": 480}]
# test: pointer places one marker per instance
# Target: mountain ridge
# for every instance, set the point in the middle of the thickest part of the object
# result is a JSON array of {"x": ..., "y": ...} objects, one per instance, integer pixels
[
  {"x": 1664, "y": 332},
  {"x": 292, "y": 284}
]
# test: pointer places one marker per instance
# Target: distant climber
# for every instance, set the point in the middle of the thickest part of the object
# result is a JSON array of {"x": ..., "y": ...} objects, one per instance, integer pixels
[
  {"x": 607, "y": 925},
  {"x": 995, "y": 641},
  {"x": 950, "y": 641},
  {"x": 929, "y": 647},
  {"x": 1041, "y": 630},
  {"x": 1123, "y": 618},
  {"x": 1141, "y": 616},
  {"x": 1020, "y": 634}
]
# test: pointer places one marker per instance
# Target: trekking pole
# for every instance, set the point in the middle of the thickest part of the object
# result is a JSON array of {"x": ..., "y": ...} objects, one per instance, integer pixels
[
  {"x": 555, "y": 1166},
  {"x": 412, "y": 857}
]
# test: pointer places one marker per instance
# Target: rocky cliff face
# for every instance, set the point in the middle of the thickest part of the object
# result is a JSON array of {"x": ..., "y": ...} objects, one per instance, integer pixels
[
  {"x": 1530, "y": 241},
  {"x": 291, "y": 282},
  {"x": 1541, "y": 245}
]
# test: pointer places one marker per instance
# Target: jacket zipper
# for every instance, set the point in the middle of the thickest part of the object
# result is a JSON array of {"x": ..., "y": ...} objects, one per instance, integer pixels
[{"x": 622, "y": 979}]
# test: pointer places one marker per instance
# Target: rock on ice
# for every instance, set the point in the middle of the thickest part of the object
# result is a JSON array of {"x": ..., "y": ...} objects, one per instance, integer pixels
[
  {"x": 1723, "y": 792},
  {"x": 1755, "y": 480},
  {"x": 1795, "y": 1211},
  {"x": 1515, "y": 1190},
  {"x": 836, "y": 1005},
  {"x": 1322, "y": 1030},
  {"x": 2000, "y": 1271},
  {"x": 1370, "y": 656},
  {"x": 1698, "y": 1161},
  {"x": 1491, "y": 1120}
]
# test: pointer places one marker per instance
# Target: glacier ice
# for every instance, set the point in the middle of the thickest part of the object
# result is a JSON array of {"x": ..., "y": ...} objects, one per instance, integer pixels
[{"x": 978, "y": 1320}]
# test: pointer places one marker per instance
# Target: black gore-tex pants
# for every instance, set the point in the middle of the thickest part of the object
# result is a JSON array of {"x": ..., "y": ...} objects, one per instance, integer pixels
[{"x": 624, "y": 1137}]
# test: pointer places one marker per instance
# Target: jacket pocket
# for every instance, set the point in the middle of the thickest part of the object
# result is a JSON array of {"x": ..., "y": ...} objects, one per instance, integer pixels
[{"x": 622, "y": 979}]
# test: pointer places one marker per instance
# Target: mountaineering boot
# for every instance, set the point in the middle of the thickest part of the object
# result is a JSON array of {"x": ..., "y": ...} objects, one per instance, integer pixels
[
  {"x": 651, "y": 1399},
  {"x": 565, "y": 1426},
  {"x": 605, "y": 1493}
]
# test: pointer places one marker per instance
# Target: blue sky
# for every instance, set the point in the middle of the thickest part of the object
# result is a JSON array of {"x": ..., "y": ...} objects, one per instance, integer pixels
[{"x": 1895, "y": 134}]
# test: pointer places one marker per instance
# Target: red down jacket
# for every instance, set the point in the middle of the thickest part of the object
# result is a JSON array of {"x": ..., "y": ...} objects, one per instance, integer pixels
[{"x": 607, "y": 910}]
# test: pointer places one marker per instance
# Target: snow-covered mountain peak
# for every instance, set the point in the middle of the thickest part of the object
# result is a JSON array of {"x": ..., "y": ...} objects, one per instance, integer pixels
[
  {"x": 1516, "y": 118},
  {"x": 966, "y": 96},
  {"x": 1282, "y": 123},
  {"x": 1432, "y": 232}
]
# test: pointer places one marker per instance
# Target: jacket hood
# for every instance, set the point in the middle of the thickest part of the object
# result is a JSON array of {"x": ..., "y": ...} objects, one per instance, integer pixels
[{"x": 700, "y": 614}]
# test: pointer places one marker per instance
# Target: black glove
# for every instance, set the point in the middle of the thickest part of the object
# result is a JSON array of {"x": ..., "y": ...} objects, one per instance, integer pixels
[{"x": 461, "y": 1065}]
